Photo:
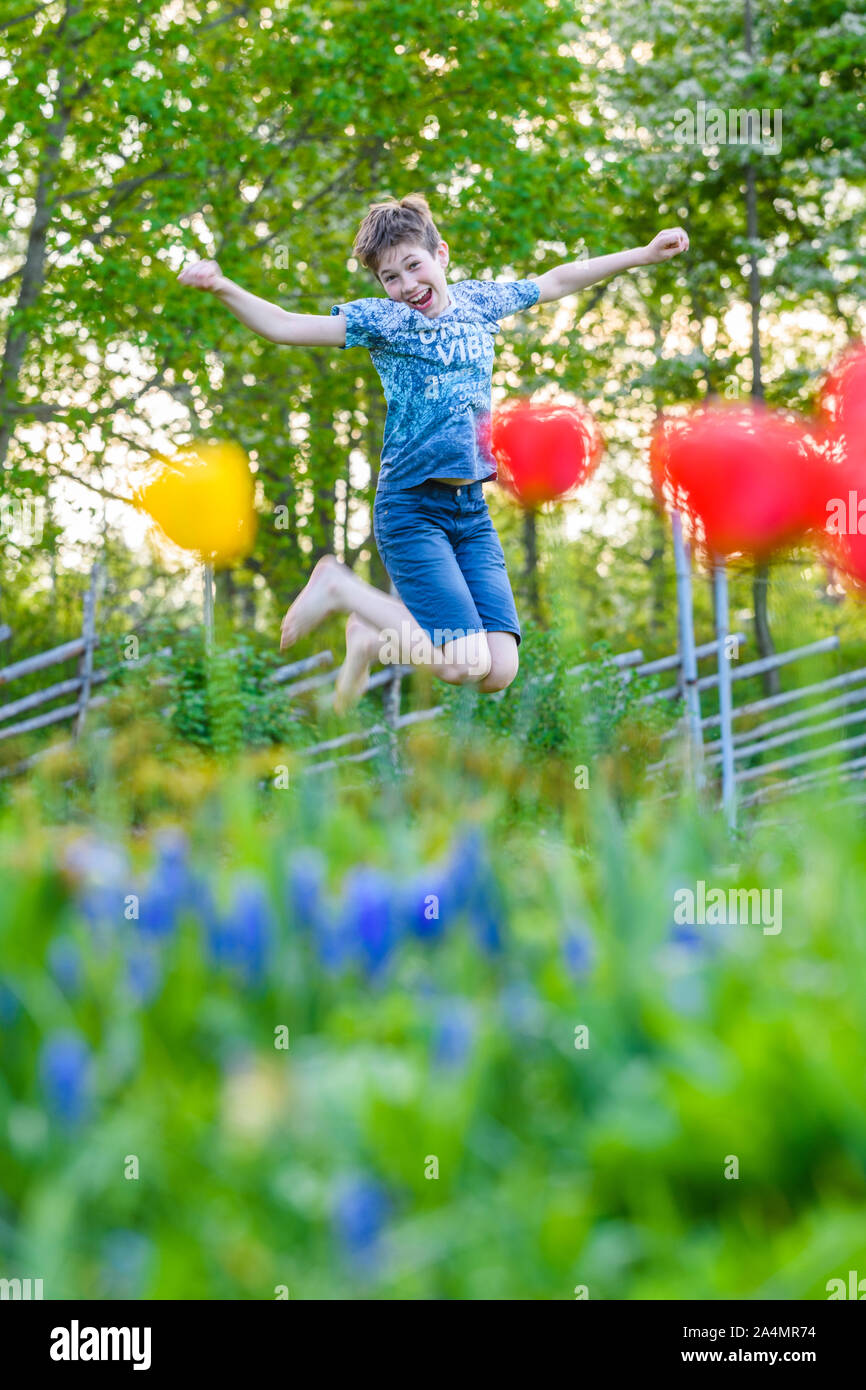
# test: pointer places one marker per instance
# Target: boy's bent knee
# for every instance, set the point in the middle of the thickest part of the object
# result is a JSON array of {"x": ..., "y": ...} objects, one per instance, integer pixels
[
  {"x": 467, "y": 659},
  {"x": 459, "y": 674},
  {"x": 503, "y": 668},
  {"x": 496, "y": 680}
]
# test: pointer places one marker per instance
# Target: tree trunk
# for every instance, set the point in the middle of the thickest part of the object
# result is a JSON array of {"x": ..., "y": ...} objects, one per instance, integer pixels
[
  {"x": 658, "y": 574},
  {"x": 530, "y": 572},
  {"x": 761, "y": 574},
  {"x": 373, "y": 434},
  {"x": 33, "y": 272}
]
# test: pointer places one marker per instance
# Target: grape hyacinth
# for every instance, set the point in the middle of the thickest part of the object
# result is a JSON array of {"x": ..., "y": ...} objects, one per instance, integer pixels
[
  {"x": 170, "y": 887},
  {"x": 101, "y": 875},
  {"x": 368, "y": 918},
  {"x": 454, "y": 1034},
  {"x": 305, "y": 889},
  {"x": 65, "y": 1073},
  {"x": 240, "y": 939},
  {"x": 423, "y": 904},
  {"x": 359, "y": 1216}
]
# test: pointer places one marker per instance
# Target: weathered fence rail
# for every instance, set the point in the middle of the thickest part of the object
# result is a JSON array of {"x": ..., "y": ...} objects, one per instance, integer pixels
[
  {"x": 624, "y": 664},
  {"x": 740, "y": 756},
  {"x": 747, "y": 745},
  {"x": 81, "y": 685}
]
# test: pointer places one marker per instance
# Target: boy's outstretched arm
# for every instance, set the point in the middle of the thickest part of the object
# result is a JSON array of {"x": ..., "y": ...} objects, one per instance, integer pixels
[
  {"x": 267, "y": 320},
  {"x": 567, "y": 279}
]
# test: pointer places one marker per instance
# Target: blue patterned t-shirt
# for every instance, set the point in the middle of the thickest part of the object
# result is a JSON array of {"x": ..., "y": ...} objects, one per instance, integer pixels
[{"x": 436, "y": 375}]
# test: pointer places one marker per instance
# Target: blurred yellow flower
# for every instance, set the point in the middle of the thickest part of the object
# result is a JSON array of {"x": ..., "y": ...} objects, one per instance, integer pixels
[
  {"x": 203, "y": 501},
  {"x": 254, "y": 1097}
]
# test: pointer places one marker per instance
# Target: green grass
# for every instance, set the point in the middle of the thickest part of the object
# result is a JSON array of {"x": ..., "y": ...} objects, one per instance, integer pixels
[{"x": 558, "y": 1165}]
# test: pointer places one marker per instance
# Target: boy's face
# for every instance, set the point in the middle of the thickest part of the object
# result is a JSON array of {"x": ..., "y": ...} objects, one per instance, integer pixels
[{"x": 409, "y": 273}]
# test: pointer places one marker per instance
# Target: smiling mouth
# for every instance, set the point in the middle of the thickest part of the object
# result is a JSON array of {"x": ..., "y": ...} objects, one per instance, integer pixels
[{"x": 423, "y": 302}]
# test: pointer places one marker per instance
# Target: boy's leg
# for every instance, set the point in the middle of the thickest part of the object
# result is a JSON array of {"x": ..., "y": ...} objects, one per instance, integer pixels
[
  {"x": 504, "y": 662},
  {"x": 334, "y": 588},
  {"x": 478, "y": 551},
  {"x": 363, "y": 644}
]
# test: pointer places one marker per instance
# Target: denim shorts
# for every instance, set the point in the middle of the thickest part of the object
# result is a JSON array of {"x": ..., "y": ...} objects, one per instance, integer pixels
[{"x": 441, "y": 550}]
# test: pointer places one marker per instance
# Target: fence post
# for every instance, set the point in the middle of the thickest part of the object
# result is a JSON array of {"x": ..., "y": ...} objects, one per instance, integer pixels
[
  {"x": 391, "y": 695},
  {"x": 85, "y": 664},
  {"x": 688, "y": 658},
  {"x": 207, "y": 578},
  {"x": 729, "y": 796}
]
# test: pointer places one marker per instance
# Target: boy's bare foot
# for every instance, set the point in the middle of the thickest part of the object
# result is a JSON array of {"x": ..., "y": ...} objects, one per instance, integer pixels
[
  {"x": 362, "y": 646},
  {"x": 315, "y": 602}
]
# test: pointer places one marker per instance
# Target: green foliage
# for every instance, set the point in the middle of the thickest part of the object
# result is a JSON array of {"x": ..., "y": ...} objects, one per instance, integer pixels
[
  {"x": 558, "y": 1164},
  {"x": 222, "y": 700},
  {"x": 548, "y": 713},
  {"x": 558, "y": 1167}
]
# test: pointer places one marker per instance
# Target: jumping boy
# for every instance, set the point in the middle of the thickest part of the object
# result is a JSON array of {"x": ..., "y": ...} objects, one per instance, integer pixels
[{"x": 432, "y": 345}]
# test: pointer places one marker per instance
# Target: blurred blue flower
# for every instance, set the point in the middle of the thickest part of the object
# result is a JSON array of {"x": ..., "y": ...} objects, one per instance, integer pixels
[
  {"x": 368, "y": 917},
  {"x": 65, "y": 1073},
  {"x": 687, "y": 936},
  {"x": 102, "y": 906},
  {"x": 421, "y": 904},
  {"x": 173, "y": 864},
  {"x": 335, "y": 945},
  {"x": 65, "y": 964},
  {"x": 359, "y": 1217},
  {"x": 579, "y": 952},
  {"x": 170, "y": 888},
  {"x": 522, "y": 1009},
  {"x": 206, "y": 907},
  {"x": 454, "y": 1034},
  {"x": 102, "y": 876},
  {"x": 241, "y": 938},
  {"x": 143, "y": 972},
  {"x": 475, "y": 888},
  {"x": 305, "y": 889},
  {"x": 157, "y": 908},
  {"x": 467, "y": 862},
  {"x": 488, "y": 915},
  {"x": 91, "y": 860},
  {"x": 125, "y": 1259}
]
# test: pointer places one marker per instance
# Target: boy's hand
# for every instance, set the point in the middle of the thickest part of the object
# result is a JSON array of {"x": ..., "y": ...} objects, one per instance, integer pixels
[
  {"x": 666, "y": 244},
  {"x": 204, "y": 275}
]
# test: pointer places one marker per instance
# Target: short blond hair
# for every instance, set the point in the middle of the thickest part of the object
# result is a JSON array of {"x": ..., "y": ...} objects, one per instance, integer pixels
[{"x": 391, "y": 223}]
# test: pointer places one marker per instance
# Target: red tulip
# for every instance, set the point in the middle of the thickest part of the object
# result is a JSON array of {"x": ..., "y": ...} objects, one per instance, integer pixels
[
  {"x": 749, "y": 480},
  {"x": 543, "y": 451},
  {"x": 842, "y": 402},
  {"x": 842, "y": 411}
]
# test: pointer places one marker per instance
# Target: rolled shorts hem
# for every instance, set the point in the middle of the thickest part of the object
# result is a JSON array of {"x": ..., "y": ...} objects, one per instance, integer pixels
[{"x": 441, "y": 551}]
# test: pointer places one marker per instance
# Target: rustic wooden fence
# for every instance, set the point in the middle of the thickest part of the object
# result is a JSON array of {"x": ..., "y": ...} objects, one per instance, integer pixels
[
  {"x": 734, "y": 754},
  {"x": 80, "y": 686},
  {"x": 381, "y": 736},
  {"x": 749, "y": 745},
  {"x": 700, "y": 742},
  {"x": 716, "y": 754}
]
